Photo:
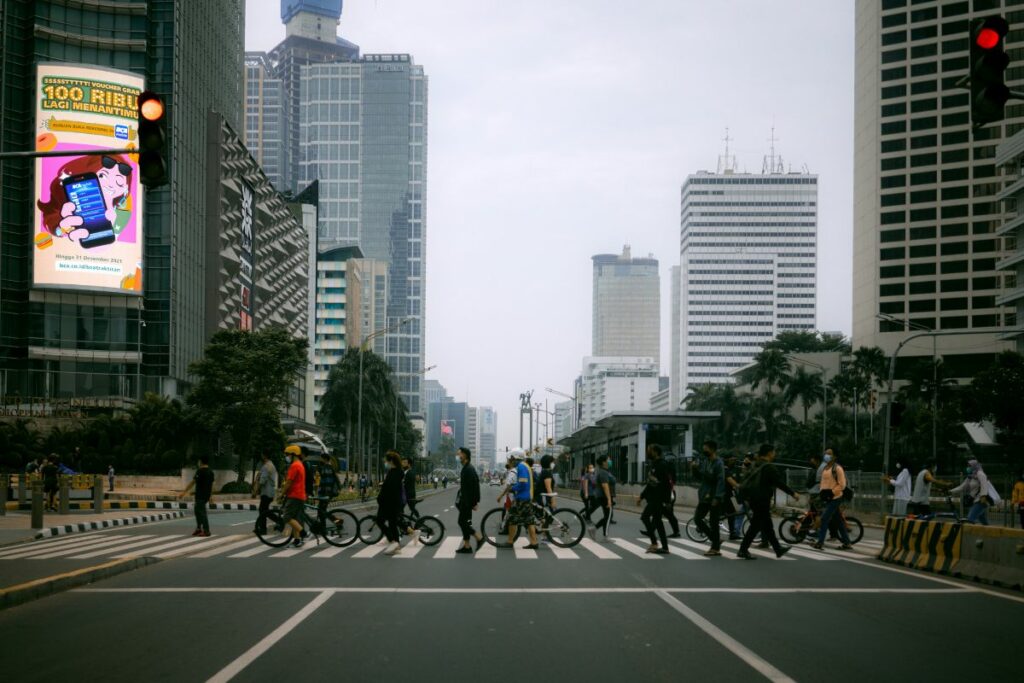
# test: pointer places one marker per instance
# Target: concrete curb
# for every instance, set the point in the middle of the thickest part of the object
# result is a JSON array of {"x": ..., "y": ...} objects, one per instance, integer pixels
[
  {"x": 106, "y": 524},
  {"x": 40, "y": 588}
]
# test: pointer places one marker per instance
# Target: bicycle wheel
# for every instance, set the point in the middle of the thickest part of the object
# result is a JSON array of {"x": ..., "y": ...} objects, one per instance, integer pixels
[
  {"x": 494, "y": 527},
  {"x": 854, "y": 529},
  {"x": 431, "y": 530},
  {"x": 566, "y": 529},
  {"x": 695, "y": 534},
  {"x": 341, "y": 528},
  {"x": 370, "y": 532},
  {"x": 277, "y": 533},
  {"x": 792, "y": 529}
]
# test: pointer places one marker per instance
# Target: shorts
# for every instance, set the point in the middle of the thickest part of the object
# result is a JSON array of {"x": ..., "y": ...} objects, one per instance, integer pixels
[
  {"x": 292, "y": 509},
  {"x": 50, "y": 488},
  {"x": 521, "y": 513}
]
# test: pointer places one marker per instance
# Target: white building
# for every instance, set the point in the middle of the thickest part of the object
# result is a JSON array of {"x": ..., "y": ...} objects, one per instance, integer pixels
[
  {"x": 748, "y": 252},
  {"x": 487, "y": 426},
  {"x": 616, "y": 384},
  {"x": 473, "y": 433},
  {"x": 563, "y": 420},
  {"x": 626, "y": 306}
]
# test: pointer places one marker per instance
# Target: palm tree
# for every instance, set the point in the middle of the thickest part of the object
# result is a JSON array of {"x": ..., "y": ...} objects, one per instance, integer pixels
[
  {"x": 771, "y": 367},
  {"x": 871, "y": 363},
  {"x": 805, "y": 387}
]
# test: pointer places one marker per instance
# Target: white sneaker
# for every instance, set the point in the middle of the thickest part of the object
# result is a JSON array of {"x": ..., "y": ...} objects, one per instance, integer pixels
[
  {"x": 414, "y": 537},
  {"x": 592, "y": 533},
  {"x": 392, "y": 548}
]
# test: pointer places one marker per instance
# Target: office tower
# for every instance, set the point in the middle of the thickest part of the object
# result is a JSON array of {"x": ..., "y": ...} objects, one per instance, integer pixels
[
  {"x": 1010, "y": 154},
  {"x": 627, "y": 306},
  {"x": 87, "y": 344},
  {"x": 675, "y": 391},
  {"x": 748, "y": 248},
  {"x": 488, "y": 429},
  {"x": 333, "y": 293},
  {"x": 264, "y": 117},
  {"x": 563, "y": 420},
  {"x": 473, "y": 433},
  {"x": 367, "y": 302},
  {"x": 616, "y": 384},
  {"x": 926, "y": 213},
  {"x": 364, "y": 138}
]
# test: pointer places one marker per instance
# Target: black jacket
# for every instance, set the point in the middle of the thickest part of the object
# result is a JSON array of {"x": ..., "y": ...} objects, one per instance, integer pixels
[
  {"x": 390, "y": 495},
  {"x": 771, "y": 479},
  {"x": 659, "y": 483},
  {"x": 409, "y": 482},
  {"x": 469, "y": 488}
]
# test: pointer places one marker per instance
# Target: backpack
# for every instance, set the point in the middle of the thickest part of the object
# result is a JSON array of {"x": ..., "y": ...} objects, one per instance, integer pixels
[
  {"x": 848, "y": 493},
  {"x": 752, "y": 487}
]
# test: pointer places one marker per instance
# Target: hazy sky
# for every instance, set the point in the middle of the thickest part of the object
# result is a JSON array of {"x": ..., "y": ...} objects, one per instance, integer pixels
[{"x": 560, "y": 129}]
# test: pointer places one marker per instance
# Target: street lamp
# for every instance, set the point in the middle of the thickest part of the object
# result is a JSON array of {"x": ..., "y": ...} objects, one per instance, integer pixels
[
  {"x": 908, "y": 324},
  {"x": 575, "y": 405},
  {"x": 138, "y": 366},
  {"x": 359, "y": 410},
  {"x": 824, "y": 403},
  {"x": 421, "y": 372}
]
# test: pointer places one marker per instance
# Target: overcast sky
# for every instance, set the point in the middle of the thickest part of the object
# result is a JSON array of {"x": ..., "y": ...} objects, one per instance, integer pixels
[{"x": 560, "y": 129}]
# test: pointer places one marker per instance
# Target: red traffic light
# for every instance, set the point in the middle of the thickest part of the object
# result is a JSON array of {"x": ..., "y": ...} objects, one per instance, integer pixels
[
  {"x": 151, "y": 107},
  {"x": 987, "y": 38}
]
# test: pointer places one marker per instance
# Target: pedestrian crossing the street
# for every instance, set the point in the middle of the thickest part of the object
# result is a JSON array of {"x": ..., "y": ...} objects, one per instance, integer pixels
[{"x": 119, "y": 545}]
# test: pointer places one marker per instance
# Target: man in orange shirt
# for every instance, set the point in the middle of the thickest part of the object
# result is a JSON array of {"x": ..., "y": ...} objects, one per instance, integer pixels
[{"x": 293, "y": 491}]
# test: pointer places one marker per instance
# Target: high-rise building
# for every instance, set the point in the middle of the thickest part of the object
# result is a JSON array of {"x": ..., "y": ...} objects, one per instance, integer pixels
[
  {"x": 473, "y": 433},
  {"x": 1010, "y": 154},
  {"x": 563, "y": 420},
  {"x": 488, "y": 429},
  {"x": 264, "y": 117},
  {"x": 926, "y": 215},
  {"x": 364, "y": 138},
  {"x": 367, "y": 302},
  {"x": 627, "y": 306},
  {"x": 748, "y": 248},
  {"x": 332, "y": 310},
  {"x": 616, "y": 384},
  {"x": 78, "y": 344}
]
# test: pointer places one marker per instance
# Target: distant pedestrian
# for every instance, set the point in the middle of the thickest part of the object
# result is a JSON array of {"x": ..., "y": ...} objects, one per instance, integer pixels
[
  {"x": 977, "y": 486},
  {"x": 266, "y": 486},
  {"x": 901, "y": 489},
  {"x": 292, "y": 494},
  {"x": 389, "y": 502},
  {"x": 435, "y": 482},
  {"x": 710, "y": 495},
  {"x": 466, "y": 501},
  {"x": 601, "y": 499},
  {"x": 833, "y": 485},
  {"x": 656, "y": 493},
  {"x": 364, "y": 485},
  {"x": 587, "y": 483},
  {"x": 758, "y": 489},
  {"x": 1017, "y": 498},
  {"x": 50, "y": 472},
  {"x": 670, "y": 514},
  {"x": 444, "y": 481},
  {"x": 202, "y": 482},
  {"x": 920, "y": 497},
  {"x": 110, "y": 476}
]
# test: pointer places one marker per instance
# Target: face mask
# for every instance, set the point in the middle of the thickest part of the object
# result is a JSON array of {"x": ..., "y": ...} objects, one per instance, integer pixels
[
  {"x": 288, "y": 459},
  {"x": 898, "y": 466},
  {"x": 827, "y": 458}
]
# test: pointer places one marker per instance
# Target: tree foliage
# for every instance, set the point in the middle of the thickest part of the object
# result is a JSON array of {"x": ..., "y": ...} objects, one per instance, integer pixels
[{"x": 996, "y": 395}]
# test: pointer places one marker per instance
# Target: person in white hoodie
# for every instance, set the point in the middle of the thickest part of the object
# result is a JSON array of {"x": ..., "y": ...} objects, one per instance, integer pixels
[
  {"x": 976, "y": 486},
  {"x": 900, "y": 484}
]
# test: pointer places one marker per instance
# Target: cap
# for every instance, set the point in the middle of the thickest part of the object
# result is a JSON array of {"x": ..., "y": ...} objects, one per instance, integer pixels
[
  {"x": 516, "y": 454},
  {"x": 293, "y": 449}
]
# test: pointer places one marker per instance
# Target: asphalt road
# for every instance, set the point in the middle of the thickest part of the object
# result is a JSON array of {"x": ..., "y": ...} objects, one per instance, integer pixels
[{"x": 228, "y": 608}]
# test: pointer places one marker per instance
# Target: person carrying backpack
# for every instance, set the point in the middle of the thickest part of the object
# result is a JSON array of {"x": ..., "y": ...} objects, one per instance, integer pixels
[
  {"x": 833, "y": 484},
  {"x": 757, "y": 490}
]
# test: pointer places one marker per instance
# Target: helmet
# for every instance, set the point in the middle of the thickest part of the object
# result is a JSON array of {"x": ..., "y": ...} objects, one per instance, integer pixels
[
  {"x": 516, "y": 454},
  {"x": 292, "y": 449}
]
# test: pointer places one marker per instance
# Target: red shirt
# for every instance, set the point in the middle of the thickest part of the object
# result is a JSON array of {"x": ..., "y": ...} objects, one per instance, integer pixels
[{"x": 297, "y": 475}]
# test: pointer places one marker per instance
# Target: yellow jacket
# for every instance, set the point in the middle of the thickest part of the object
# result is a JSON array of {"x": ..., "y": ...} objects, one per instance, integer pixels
[{"x": 1018, "y": 493}]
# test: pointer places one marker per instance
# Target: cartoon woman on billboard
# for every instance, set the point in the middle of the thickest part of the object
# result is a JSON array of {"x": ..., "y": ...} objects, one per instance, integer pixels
[{"x": 90, "y": 201}]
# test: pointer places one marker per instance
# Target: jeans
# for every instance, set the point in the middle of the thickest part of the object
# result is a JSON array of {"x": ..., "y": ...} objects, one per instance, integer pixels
[
  {"x": 466, "y": 523},
  {"x": 761, "y": 523},
  {"x": 826, "y": 517},
  {"x": 713, "y": 532},
  {"x": 651, "y": 518},
  {"x": 202, "y": 518},
  {"x": 978, "y": 514},
  {"x": 261, "y": 520}
]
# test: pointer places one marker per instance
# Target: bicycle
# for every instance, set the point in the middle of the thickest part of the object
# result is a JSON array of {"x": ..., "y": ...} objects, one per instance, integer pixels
[
  {"x": 724, "y": 525},
  {"x": 339, "y": 527},
  {"x": 431, "y": 528},
  {"x": 796, "y": 526},
  {"x": 564, "y": 527}
]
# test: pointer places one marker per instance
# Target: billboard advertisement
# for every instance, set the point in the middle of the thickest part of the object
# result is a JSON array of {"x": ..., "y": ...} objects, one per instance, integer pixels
[
  {"x": 88, "y": 224},
  {"x": 246, "y": 258}
]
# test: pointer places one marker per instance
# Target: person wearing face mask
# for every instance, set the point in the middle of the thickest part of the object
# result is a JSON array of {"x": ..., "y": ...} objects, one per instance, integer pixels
[
  {"x": 389, "y": 501},
  {"x": 901, "y": 489},
  {"x": 976, "y": 486}
]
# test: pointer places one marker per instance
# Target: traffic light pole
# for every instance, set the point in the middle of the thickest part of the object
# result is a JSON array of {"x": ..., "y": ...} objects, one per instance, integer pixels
[
  {"x": 66, "y": 153},
  {"x": 892, "y": 375}
]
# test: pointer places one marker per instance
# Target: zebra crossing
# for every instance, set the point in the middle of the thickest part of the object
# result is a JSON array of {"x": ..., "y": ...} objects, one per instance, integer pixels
[{"x": 118, "y": 545}]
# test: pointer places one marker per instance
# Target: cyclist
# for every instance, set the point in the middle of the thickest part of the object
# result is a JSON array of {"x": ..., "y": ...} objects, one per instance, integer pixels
[
  {"x": 522, "y": 509},
  {"x": 409, "y": 484},
  {"x": 466, "y": 501},
  {"x": 293, "y": 493},
  {"x": 833, "y": 483},
  {"x": 710, "y": 495},
  {"x": 389, "y": 501}
]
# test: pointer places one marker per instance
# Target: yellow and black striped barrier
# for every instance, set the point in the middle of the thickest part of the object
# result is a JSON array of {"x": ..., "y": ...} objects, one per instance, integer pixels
[{"x": 933, "y": 546}]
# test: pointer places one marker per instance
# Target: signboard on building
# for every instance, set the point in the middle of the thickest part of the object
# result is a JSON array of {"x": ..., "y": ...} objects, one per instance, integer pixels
[
  {"x": 448, "y": 428},
  {"x": 88, "y": 219},
  {"x": 246, "y": 257}
]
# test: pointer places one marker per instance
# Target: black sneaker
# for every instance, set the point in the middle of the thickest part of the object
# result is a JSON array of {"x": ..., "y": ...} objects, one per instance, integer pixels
[
  {"x": 675, "y": 535},
  {"x": 782, "y": 551},
  {"x": 464, "y": 551},
  {"x": 297, "y": 543},
  {"x": 744, "y": 555}
]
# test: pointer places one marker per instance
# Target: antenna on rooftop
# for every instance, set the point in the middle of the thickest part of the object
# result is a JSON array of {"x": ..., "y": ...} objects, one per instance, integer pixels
[
  {"x": 769, "y": 165},
  {"x": 726, "y": 163}
]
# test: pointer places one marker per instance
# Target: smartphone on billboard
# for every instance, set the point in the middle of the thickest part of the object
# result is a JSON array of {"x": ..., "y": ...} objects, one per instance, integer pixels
[{"x": 84, "y": 191}]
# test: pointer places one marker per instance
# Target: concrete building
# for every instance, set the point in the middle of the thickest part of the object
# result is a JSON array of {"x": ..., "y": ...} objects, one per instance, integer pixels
[
  {"x": 612, "y": 384},
  {"x": 488, "y": 428},
  {"x": 264, "y": 117},
  {"x": 331, "y": 309},
  {"x": 64, "y": 344},
  {"x": 626, "y": 306},
  {"x": 367, "y": 302},
  {"x": 1010, "y": 155},
  {"x": 748, "y": 248},
  {"x": 563, "y": 422},
  {"x": 926, "y": 210},
  {"x": 473, "y": 433}
]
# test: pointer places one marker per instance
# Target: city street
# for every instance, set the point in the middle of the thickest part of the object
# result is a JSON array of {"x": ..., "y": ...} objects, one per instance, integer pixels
[{"x": 230, "y": 608}]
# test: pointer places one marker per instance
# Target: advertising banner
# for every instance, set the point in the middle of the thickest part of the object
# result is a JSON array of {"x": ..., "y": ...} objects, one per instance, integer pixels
[
  {"x": 247, "y": 258},
  {"x": 88, "y": 209}
]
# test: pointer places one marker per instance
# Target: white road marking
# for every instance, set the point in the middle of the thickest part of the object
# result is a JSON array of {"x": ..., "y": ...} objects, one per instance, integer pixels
[
  {"x": 56, "y": 542},
  {"x": 250, "y": 521},
  {"x": 634, "y": 549},
  {"x": 410, "y": 550},
  {"x": 487, "y": 552},
  {"x": 250, "y": 655},
  {"x": 545, "y": 591},
  {"x": 371, "y": 550},
  {"x": 330, "y": 552},
  {"x": 219, "y": 550},
  {"x": 811, "y": 554},
  {"x": 79, "y": 543},
  {"x": 726, "y": 641},
  {"x": 698, "y": 548},
  {"x": 261, "y": 548},
  {"x": 128, "y": 543},
  {"x": 520, "y": 549},
  {"x": 187, "y": 541},
  {"x": 293, "y": 551},
  {"x": 447, "y": 549},
  {"x": 562, "y": 553},
  {"x": 599, "y": 550},
  {"x": 203, "y": 544},
  {"x": 733, "y": 546},
  {"x": 106, "y": 545}
]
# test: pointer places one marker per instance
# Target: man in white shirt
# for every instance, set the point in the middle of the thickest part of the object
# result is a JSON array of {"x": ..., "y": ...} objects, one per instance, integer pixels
[{"x": 901, "y": 490}]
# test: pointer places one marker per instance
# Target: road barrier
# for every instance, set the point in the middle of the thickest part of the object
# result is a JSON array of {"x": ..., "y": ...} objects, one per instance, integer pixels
[
  {"x": 919, "y": 544},
  {"x": 992, "y": 555}
]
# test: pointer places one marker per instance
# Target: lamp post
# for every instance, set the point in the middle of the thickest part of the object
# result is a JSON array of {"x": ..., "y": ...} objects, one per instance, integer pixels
[
  {"x": 907, "y": 324},
  {"x": 359, "y": 409},
  {"x": 575, "y": 405},
  {"x": 138, "y": 366},
  {"x": 395, "y": 442},
  {"x": 824, "y": 400}
]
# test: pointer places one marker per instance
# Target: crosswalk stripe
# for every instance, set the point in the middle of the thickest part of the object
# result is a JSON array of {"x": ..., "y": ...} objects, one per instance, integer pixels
[
  {"x": 599, "y": 550},
  {"x": 127, "y": 543},
  {"x": 293, "y": 551},
  {"x": 487, "y": 552},
  {"x": 634, "y": 549},
  {"x": 521, "y": 551},
  {"x": 371, "y": 550},
  {"x": 105, "y": 545},
  {"x": 261, "y": 548},
  {"x": 202, "y": 544},
  {"x": 693, "y": 547},
  {"x": 166, "y": 546},
  {"x": 330, "y": 552},
  {"x": 48, "y": 544},
  {"x": 68, "y": 549},
  {"x": 34, "y": 550},
  {"x": 221, "y": 549},
  {"x": 811, "y": 554},
  {"x": 410, "y": 550},
  {"x": 448, "y": 548},
  {"x": 757, "y": 551},
  {"x": 562, "y": 553}
]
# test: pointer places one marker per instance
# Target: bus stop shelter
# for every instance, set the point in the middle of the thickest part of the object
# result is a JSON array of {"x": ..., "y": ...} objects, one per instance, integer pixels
[{"x": 624, "y": 437}]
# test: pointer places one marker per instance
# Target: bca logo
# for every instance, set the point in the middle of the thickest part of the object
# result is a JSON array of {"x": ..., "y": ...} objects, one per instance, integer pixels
[{"x": 121, "y": 132}]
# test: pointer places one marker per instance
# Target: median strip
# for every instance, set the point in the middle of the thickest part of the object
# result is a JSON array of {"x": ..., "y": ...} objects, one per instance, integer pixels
[{"x": 40, "y": 588}]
